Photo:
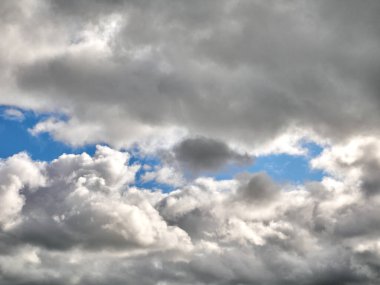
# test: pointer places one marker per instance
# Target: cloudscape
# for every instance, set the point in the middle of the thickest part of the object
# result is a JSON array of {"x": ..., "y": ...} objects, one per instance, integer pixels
[{"x": 190, "y": 142}]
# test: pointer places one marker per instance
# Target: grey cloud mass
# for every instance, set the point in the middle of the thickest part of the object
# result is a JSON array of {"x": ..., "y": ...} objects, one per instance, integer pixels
[
  {"x": 202, "y": 153},
  {"x": 242, "y": 72},
  {"x": 259, "y": 189},
  {"x": 81, "y": 220}
]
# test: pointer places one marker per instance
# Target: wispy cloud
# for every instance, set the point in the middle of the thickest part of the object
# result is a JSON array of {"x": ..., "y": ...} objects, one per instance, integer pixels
[{"x": 13, "y": 114}]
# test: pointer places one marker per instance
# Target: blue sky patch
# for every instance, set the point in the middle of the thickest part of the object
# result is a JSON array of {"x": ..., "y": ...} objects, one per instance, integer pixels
[
  {"x": 16, "y": 138},
  {"x": 282, "y": 167}
]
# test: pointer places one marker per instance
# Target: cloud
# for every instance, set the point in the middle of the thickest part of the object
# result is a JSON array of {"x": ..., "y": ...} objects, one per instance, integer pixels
[
  {"x": 17, "y": 173},
  {"x": 200, "y": 84},
  {"x": 241, "y": 72},
  {"x": 259, "y": 189},
  {"x": 357, "y": 162},
  {"x": 200, "y": 154},
  {"x": 164, "y": 175},
  {"x": 74, "y": 215},
  {"x": 80, "y": 220},
  {"x": 13, "y": 114}
]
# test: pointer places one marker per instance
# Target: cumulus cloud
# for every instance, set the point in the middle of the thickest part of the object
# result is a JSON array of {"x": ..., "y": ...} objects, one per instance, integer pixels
[
  {"x": 16, "y": 173},
  {"x": 164, "y": 175},
  {"x": 80, "y": 220},
  {"x": 357, "y": 161},
  {"x": 83, "y": 205}
]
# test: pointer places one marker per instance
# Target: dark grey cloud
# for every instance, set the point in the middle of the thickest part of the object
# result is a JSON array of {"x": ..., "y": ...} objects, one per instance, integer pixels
[
  {"x": 260, "y": 188},
  {"x": 370, "y": 166},
  {"x": 238, "y": 71},
  {"x": 204, "y": 154}
]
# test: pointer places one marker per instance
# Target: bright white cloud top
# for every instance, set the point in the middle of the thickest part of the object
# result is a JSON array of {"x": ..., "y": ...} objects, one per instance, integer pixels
[
  {"x": 183, "y": 92},
  {"x": 79, "y": 220}
]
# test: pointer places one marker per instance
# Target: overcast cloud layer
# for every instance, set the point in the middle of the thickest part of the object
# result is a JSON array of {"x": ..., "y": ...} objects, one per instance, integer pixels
[
  {"x": 147, "y": 71},
  {"x": 199, "y": 85}
]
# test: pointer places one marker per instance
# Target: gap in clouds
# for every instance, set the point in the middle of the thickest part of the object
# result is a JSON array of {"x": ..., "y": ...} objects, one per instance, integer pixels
[
  {"x": 282, "y": 168},
  {"x": 148, "y": 163},
  {"x": 291, "y": 168},
  {"x": 16, "y": 138}
]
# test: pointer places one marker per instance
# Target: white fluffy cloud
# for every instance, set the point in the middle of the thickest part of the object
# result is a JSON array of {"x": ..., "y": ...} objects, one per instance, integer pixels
[
  {"x": 16, "y": 173},
  {"x": 164, "y": 175},
  {"x": 81, "y": 220}
]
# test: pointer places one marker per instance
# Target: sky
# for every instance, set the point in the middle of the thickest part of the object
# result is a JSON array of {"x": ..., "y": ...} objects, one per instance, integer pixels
[{"x": 189, "y": 142}]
